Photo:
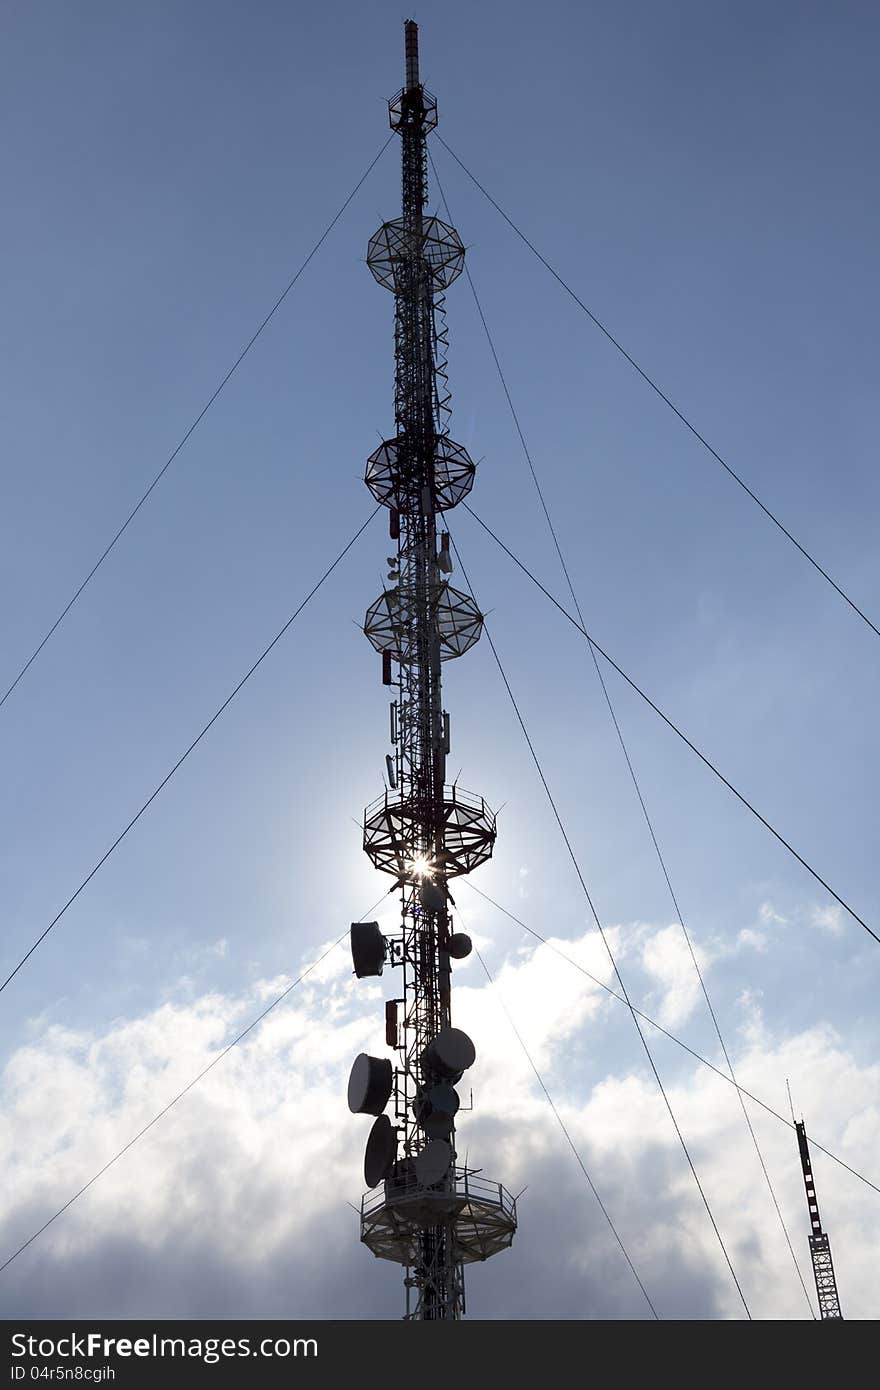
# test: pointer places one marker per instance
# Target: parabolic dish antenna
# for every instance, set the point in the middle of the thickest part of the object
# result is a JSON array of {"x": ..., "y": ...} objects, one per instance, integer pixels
[
  {"x": 440, "y": 1104},
  {"x": 381, "y": 1151},
  {"x": 451, "y": 1053},
  {"x": 369, "y": 1084},
  {"x": 367, "y": 948},
  {"x": 433, "y": 1163},
  {"x": 460, "y": 945}
]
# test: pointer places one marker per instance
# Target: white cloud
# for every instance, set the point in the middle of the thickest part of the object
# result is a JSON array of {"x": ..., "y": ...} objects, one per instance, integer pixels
[
  {"x": 235, "y": 1203},
  {"x": 767, "y": 913},
  {"x": 748, "y": 938},
  {"x": 666, "y": 958},
  {"x": 829, "y": 918}
]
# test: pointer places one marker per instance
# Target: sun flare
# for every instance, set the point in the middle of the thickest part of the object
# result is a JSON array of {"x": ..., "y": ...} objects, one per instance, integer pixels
[{"x": 421, "y": 867}]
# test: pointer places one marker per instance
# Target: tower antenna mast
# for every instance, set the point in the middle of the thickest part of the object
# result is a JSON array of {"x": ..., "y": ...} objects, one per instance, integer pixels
[
  {"x": 820, "y": 1249},
  {"x": 425, "y": 1210}
]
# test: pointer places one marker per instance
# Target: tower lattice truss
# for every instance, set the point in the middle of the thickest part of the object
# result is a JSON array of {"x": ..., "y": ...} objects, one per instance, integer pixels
[
  {"x": 425, "y": 1210},
  {"x": 820, "y": 1246}
]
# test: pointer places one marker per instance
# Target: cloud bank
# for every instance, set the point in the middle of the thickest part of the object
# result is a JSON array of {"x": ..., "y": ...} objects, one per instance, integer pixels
[{"x": 237, "y": 1203}]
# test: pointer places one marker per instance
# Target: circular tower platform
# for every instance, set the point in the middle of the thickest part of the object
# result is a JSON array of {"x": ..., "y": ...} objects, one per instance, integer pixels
[
  {"x": 391, "y": 623},
  {"x": 393, "y": 825},
  {"x": 480, "y": 1214}
]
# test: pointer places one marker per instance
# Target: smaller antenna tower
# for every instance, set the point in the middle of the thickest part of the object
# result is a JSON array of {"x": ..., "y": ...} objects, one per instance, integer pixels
[{"x": 820, "y": 1249}]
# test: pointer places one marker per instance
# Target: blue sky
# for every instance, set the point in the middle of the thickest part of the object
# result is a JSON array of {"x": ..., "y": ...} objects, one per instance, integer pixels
[{"x": 703, "y": 176}]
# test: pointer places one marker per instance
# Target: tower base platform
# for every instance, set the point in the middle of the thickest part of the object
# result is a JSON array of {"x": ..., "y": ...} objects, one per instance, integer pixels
[{"x": 480, "y": 1215}]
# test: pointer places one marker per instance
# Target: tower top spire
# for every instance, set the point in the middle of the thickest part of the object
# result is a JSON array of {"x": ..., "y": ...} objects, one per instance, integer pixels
[{"x": 411, "y": 41}]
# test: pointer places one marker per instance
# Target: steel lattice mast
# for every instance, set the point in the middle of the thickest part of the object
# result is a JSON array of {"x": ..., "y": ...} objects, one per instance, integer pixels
[
  {"x": 426, "y": 1212},
  {"x": 820, "y": 1248}
]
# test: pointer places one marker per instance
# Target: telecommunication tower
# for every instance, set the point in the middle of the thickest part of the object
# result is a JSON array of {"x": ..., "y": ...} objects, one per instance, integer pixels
[
  {"x": 820, "y": 1249},
  {"x": 425, "y": 1211}
]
